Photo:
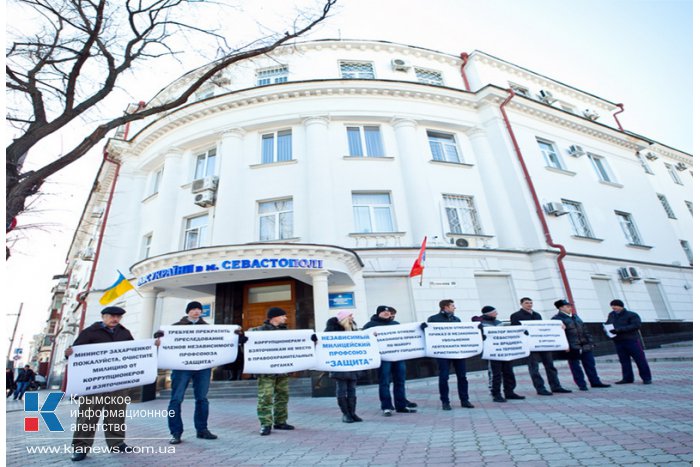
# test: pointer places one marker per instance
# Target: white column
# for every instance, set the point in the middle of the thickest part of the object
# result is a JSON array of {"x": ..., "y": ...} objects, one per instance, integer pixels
[
  {"x": 164, "y": 239},
  {"x": 321, "y": 310},
  {"x": 148, "y": 312},
  {"x": 230, "y": 196},
  {"x": 423, "y": 211},
  {"x": 320, "y": 226}
]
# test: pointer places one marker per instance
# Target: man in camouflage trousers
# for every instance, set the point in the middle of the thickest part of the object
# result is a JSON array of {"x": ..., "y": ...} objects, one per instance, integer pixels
[{"x": 273, "y": 390}]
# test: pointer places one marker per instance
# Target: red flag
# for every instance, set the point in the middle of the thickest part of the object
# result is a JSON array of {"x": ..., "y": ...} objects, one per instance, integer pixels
[{"x": 419, "y": 264}]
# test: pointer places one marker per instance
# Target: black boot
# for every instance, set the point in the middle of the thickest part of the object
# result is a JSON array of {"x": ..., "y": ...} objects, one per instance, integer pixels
[
  {"x": 343, "y": 404},
  {"x": 352, "y": 405}
]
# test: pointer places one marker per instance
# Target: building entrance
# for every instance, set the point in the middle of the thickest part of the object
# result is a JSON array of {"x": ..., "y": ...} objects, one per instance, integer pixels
[{"x": 258, "y": 298}]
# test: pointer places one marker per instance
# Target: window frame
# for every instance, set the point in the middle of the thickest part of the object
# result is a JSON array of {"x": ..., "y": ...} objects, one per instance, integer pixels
[
  {"x": 583, "y": 227},
  {"x": 276, "y": 146},
  {"x": 632, "y": 230},
  {"x": 279, "y": 234},
  {"x": 363, "y": 140},
  {"x": 520, "y": 90},
  {"x": 156, "y": 180},
  {"x": 146, "y": 244},
  {"x": 471, "y": 214},
  {"x": 689, "y": 205},
  {"x": 273, "y": 78},
  {"x": 602, "y": 168},
  {"x": 645, "y": 164},
  {"x": 554, "y": 151},
  {"x": 440, "y": 81},
  {"x": 372, "y": 208},
  {"x": 675, "y": 176},
  {"x": 685, "y": 244},
  {"x": 434, "y": 137},
  {"x": 666, "y": 205},
  {"x": 207, "y": 156},
  {"x": 353, "y": 74},
  {"x": 202, "y": 231}
]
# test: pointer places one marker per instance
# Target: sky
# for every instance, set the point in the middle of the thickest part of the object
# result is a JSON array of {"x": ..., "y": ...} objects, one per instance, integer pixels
[{"x": 637, "y": 52}]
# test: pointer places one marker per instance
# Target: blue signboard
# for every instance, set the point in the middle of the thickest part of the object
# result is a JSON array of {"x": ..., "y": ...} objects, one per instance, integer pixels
[
  {"x": 206, "y": 310},
  {"x": 341, "y": 300}
]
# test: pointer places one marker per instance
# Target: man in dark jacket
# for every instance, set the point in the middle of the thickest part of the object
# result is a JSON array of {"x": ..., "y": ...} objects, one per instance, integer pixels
[
  {"x": 113, "y": 403},
  {"x": 9, "y": 382},
  {"x": 627, "y": 343},
  {"x": 390, "y": 370},
  {"x": 447, "y": 315},
  {"x": 526, "y": 313},
  {"x": 24, "y": 379},
  {"x": 273, "y": 390},
  {"x": 580, "y": 347},
  {"x": 180, "y": 379}
]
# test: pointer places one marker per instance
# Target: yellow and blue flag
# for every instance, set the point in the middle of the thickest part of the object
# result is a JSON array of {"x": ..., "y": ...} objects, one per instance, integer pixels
[{"x": 119, "y": 288}]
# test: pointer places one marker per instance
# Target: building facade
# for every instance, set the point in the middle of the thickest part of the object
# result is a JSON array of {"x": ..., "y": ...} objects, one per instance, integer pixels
[{"x": 308, "y": 178}]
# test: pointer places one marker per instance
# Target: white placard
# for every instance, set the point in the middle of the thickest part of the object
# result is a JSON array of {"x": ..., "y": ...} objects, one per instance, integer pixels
[
  {"x": 197, "y": 347},
  {"x": 453, "y": 340},
  {"x": 400, "y": 341},
  {"x": 607, "y": 328},
  {"x": 505, "y": 343},
  {"x": 347, "y": 351},
  {"x": 98, "y": 368},
  {"x": 546, "y": 335},
  {"x": 277, "y": 352}
]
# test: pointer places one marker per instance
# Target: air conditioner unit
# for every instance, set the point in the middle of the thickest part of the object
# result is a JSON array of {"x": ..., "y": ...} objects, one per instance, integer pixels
[
  {"x": 651, "y": 156},
  {"x": 681, "y": 167},
  {"x": 398, "y": 64},
  {"x": 629, "y": 274},
  {"x": 576, "y": 151},
  {"x": 547, "y": 97},
  {"x": 591, "y": 114},
  {"x": 462, "y": 243},
  {"x": 205, "y": 184},
  {"x": 555, "y": 209},
  {"x": 88, "y": 254},
  {"x": 205, "y": 199}
]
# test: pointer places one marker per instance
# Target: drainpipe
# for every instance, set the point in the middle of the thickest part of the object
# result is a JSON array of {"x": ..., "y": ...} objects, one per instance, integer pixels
[
  {"x": 622, "y": 109},
  {"x": 538, "y": 206},
  {"x": 465, "y": 58}
]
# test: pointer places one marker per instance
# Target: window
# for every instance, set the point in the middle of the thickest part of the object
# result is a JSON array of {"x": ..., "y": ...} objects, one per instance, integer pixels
[
  {"x": 204, "y": 93},
  {"x": 155, "y": 181},
  {"x": 667, "y": 207},
  {"x": 146, "y": 246},
  {"x": 356, "y": 70},
  {"x": 372, "y": 212},
  {"x": 689, "y": 205},
  {"x": 365, "y": 140},
  {"x": 196, "y": 232},
  {"x": 674, "y": 175},
  {"x": 520, "y": 90},
  {"x": 577, "y": 219},
  {"x": 551, "y": 156},
  {"x": 205, "y": 165},
  {"x": 443, "y": 147},
  {"x": 567, "y": 107},
  {"x": 282, "y": 151},
  {"x": 628, "y": 228},
  {"x": 601, "y": 167},
  {"x": 273, "y": 75},
  {"x": 645, "y": 164},
  {"x": 429, "y": 77},
  {"x": 462, "y": 217},
  {"x": 276, "y": 219},
  {"x": 688, "y": 251}
]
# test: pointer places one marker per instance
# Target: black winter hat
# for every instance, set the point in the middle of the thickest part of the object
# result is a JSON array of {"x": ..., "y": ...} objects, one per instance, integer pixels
[
  {"x": 275, "y": 312},
  {"x": 617, "y": 302},
  {"x": 560, "y": 303},
  {"x": 113, "y": 310},
  {"x": 487, "y": 309},
  {"x": 381, "y": 308},
  {"x": 192, "y": 306}
]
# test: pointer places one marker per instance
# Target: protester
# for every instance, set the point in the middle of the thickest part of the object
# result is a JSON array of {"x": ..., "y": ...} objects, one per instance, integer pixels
[
  {"x": 526, "y": 313},
  {"x": 180, "y": 379},
  {"x": 499, "y": 371},
  {"x": 626, "y": 326},
  {"x": 345, "y": 381},
  {"x": 112, "y": 404},
  {"x": 24, "y": 378},
  {"x": 580, "y": 347},
  {"x": 447, "y": 315},
  {"x": 389, "y": 371},
  {"x": 273, "y": 390}
]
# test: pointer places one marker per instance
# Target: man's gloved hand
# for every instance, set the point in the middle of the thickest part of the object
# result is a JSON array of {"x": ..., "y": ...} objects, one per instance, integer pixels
[
  {"x": 423, "y": 326},
  {"x": 158, "y": 334},
  {"x": 314, "y": 338},
  {"x": 613, "y": 331},
  {"x": 242, "y": 339}
]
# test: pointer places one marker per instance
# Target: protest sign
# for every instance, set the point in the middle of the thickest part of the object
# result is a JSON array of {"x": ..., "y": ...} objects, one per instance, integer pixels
[
  {"x": 453, "y": 340},
  {"x": 399, "y": 342},
  {"x": 197, "y": 347},
  {"x": 347, "y": 351},
  {"x": 276, "y": 352},
  {"x": 98, "y": 368},
  {"x": 505, "y": 343},
  {"x": 546, "y": 335}
]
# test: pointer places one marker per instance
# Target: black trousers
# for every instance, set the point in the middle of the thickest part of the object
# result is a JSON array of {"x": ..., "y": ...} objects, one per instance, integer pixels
[
  {"x": 548, "y": 364},
  {"x": 501, "y": 373}
]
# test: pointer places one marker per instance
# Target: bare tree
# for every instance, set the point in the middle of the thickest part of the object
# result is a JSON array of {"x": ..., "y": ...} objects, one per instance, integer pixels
[{"x": 51, "y": 74}]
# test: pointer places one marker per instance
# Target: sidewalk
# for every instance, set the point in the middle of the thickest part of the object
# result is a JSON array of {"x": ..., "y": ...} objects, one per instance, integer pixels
[{"x": 624, "y": 425}]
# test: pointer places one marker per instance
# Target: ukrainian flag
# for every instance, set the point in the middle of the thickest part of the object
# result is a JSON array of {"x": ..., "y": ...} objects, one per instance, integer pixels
[{"x": 119, "y": 288}]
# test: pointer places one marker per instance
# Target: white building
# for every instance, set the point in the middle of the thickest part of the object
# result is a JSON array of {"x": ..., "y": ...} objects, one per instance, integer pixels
[{"x": 308, "y": 179}]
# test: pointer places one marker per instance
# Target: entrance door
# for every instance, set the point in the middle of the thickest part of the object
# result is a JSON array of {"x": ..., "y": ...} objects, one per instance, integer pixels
[{"x": 258, "y": 298}]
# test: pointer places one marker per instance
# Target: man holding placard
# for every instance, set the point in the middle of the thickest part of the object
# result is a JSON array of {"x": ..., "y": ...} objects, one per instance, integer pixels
[
  {"x": 180, "y": 379},
  {"x": 447, "y": 315},
  {"x": 111, "y": 404},
  {"x": 626, "y": 325},
  {"x": 526, "y": 313}
]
